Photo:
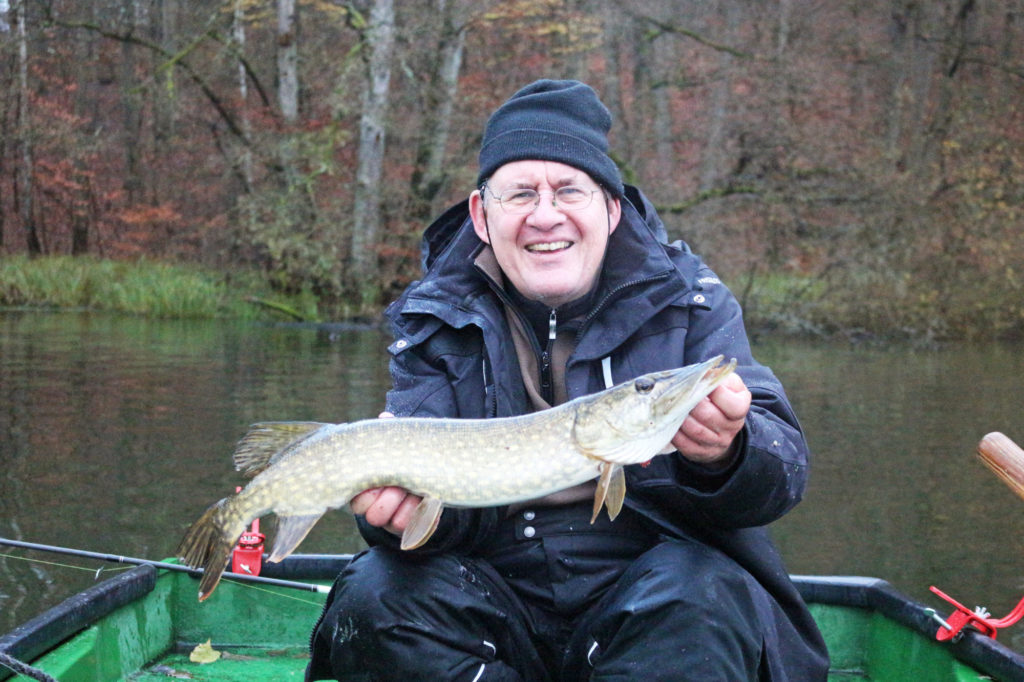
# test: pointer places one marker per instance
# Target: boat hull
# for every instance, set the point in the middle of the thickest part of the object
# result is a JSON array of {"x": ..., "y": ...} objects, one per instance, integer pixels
[{"x": 144, "y": 623}]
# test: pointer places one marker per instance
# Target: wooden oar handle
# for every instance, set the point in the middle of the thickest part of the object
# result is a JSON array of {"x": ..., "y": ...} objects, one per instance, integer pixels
[{"x": 1005, "y": 458}]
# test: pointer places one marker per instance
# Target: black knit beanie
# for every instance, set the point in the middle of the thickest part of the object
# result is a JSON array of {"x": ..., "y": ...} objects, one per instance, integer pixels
[{"x": 552, "y": 120}]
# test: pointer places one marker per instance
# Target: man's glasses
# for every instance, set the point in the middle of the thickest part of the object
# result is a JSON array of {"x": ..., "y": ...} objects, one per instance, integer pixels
[{"x": 519, "y": 201}]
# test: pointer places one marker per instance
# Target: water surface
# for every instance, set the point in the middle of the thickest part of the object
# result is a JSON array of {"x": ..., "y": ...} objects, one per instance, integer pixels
[{"x": 116, "y": 432}]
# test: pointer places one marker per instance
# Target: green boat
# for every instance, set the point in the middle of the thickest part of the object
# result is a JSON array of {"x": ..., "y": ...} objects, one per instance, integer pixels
[{"x": 145, "y": 624}]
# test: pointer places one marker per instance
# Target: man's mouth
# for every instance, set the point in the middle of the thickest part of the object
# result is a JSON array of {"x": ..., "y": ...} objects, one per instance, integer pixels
[{"x": 548, "y": 246}]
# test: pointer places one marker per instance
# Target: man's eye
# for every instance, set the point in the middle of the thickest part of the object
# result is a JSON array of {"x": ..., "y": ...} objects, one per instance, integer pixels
[
  {"x": 519, "y": 196},
  {"x": 571, "y": 194}
]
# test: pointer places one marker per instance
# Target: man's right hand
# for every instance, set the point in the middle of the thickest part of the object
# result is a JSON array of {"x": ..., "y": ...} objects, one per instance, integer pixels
[{"x": 389, "y": 508}]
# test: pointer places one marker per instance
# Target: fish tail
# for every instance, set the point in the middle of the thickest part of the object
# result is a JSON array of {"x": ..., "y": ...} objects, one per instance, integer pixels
[{"x": 208, "y": 544}]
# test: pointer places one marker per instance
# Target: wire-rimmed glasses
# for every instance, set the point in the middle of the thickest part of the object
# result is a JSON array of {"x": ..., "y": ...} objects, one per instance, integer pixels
[{"x": 522, "y": 200}]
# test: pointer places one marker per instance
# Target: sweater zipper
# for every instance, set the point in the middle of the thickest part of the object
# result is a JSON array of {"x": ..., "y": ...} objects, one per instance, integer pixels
[
  {"x": 543, "y": 354},
  {"x": 546, "y": 384}
]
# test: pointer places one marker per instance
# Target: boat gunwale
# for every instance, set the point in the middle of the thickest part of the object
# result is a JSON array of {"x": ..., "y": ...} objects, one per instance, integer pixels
[
  {"x": 976, "y": 649},
  {"x": 59, "y": 623},
  {"x": 56, "y": 625}
]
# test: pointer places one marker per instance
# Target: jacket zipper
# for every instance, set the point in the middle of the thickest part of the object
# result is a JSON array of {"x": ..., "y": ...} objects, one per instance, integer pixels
[{"x": 607, "y": 297}]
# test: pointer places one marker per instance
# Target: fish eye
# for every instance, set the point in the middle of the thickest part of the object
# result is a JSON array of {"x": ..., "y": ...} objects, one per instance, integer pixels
[{"x": 644, "y": 384}]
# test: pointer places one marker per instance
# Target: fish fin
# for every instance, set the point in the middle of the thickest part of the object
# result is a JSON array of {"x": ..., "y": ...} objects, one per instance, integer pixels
[
  {"x": 616, "y": 491},
  {"x": 291, "y": 530},
  {"x": 207, "y": 545},
  {"x": 423, "y": 523},
  {"x": 605, "y": 485},
  {"x": 611, "y": 490},
  {"x": 265, "y": 441}
]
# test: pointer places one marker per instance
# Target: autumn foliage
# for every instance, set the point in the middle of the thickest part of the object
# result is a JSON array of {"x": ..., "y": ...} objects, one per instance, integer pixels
[{"x": 846, "y": 167}]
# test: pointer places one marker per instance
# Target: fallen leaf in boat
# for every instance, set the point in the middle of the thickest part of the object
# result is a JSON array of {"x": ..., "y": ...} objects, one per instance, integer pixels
[{"x": 204, "y": 653}]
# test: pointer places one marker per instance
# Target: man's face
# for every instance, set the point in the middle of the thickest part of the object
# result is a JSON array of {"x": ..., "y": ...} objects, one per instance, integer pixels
[{"x": 550, "y": 254}]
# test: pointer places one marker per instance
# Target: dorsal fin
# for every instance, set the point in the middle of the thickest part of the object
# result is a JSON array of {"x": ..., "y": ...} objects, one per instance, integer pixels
[{"x": 259, "y": 448}]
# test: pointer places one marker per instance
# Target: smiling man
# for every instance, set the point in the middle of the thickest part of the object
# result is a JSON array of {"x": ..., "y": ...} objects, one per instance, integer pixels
[{"x": 553, "y": 280}]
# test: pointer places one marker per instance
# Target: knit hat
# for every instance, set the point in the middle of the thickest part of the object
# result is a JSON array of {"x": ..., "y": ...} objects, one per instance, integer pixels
[{"x": 552, "y": 120}]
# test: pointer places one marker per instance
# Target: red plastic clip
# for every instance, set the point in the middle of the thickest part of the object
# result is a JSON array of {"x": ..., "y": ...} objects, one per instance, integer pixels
[
  {"x": 247, "y": 556},
  {"x": 951, "y": 628}
]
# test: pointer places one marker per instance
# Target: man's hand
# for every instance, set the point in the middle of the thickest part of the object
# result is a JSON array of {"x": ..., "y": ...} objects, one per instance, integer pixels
[
  {"x": 707, "y": 435},
  {"x": 389, "y": 508}
]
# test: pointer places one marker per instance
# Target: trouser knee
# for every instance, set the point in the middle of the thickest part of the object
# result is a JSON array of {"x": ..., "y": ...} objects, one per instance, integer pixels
[
  {"x": 682, "y": 611},
  {"x": 394, "y": 616}
]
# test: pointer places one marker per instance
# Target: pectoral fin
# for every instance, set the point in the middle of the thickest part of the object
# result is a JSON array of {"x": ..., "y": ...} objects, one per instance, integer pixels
[
  {"x": 423, "y": 523},
  {"x": 611, "y": 490},
  {"x": 291, "y": 530}
]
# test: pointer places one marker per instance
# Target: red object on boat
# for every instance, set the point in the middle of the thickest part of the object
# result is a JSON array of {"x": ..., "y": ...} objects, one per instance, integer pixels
[
  {"x": 963, "y": 616},
  {"x": 247, "y": 556}
]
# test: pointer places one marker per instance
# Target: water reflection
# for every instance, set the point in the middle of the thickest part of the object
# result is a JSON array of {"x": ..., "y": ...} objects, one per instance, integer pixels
[{"x": 116, "y": 432}]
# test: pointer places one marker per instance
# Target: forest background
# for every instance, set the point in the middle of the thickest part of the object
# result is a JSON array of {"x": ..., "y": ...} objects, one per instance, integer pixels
[{"x": 846, "y": 166}]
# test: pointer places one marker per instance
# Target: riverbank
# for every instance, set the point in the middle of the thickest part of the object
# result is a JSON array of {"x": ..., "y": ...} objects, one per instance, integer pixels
[
  {"x": 781, "y": 304},
  {"x": 145, "y": 287}
]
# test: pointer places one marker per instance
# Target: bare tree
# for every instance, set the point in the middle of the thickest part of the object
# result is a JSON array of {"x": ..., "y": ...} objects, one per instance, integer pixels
[
  {"x": 25, "y": 185},
  {"x": 429, "y": 178},
  {"x": 238, "y": 36},
  {"x": 287, "y": 61},
  {"x": 378, "y": 48}
]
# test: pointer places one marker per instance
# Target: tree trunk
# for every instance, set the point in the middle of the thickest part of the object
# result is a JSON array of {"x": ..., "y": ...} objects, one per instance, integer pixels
[
  {"x": 238, "y": 35},
  {"x": 24, "y": 173},
  {"x": 429, "y": 178},
  {"x": 379, "y": 40},
  {"x": 287, "y": 61},
  {"x": 5, "y": 30}
]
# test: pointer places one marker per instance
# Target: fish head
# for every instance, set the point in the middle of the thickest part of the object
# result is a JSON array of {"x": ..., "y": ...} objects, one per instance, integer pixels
[{"x": 635, "y": 420}]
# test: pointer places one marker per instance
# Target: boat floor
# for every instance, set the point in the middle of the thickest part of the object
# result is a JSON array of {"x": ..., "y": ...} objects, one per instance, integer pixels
[{"x": 241, "y": 664}]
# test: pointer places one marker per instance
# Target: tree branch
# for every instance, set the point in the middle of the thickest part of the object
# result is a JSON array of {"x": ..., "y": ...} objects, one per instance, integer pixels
[
  {"x": 175, "y": 59},
  {"x": 666, "y": 27}
]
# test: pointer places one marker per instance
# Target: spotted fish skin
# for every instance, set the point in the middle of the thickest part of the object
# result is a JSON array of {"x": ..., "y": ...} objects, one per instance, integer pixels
[{"x": 302, "y": 469}]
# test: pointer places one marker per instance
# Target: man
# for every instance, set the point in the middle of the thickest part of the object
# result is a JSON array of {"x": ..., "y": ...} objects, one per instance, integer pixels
[{"x": 552, "y": 281}]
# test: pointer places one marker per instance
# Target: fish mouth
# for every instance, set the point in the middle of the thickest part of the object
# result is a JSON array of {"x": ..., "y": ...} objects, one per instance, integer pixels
[
  {"x": 679, "y": 389},
  {"x": 549, "y": 247}
]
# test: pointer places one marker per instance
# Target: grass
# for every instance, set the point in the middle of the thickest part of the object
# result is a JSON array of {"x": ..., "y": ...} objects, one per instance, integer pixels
[{"x": 144, "y": 287}]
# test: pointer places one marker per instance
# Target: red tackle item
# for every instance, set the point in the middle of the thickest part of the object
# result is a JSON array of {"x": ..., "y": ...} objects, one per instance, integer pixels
[
  {"x": 951, "y": 628},
  {"x": 247, "y": 557}
]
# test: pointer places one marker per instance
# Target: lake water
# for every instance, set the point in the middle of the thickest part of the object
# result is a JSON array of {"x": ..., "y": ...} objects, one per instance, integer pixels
[{"x": 116, "y": 432}]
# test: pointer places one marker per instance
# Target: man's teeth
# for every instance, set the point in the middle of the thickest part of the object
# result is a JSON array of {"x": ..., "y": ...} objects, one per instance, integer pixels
[{"x": 549, "y": 246}]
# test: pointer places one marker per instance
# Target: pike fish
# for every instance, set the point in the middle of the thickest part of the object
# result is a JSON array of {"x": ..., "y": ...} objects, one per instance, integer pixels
[{"x": 302, "y": 469}]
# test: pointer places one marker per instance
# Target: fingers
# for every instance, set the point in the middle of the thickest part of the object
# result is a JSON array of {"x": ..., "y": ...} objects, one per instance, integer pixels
[
  {"x": 707, "y": 434},
  {"x": 732, "y": 398},
  {"x": 390, "y": 508}
]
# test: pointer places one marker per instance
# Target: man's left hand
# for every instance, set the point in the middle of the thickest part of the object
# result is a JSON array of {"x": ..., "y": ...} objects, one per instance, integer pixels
[{"x": 709, "y": 432}]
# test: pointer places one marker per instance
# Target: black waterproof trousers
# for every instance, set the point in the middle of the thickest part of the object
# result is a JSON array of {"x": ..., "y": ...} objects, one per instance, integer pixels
[{"x": 555, "y": 598}]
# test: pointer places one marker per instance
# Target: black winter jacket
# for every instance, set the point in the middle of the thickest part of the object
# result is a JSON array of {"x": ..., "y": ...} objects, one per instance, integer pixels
[{"x": 658, "y": 306}]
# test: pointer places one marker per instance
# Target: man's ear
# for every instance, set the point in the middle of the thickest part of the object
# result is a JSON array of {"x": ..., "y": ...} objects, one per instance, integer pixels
[
  {"x": 479, "y": 215},
  {"x": 614, "y": 214}
]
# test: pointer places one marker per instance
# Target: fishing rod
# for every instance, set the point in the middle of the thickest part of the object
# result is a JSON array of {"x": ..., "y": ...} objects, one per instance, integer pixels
[{"x": 309, "y": 587}]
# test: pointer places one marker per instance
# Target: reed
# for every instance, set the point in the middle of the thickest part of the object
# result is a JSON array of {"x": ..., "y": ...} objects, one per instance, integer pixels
[{"x": 144, "y": 287}]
